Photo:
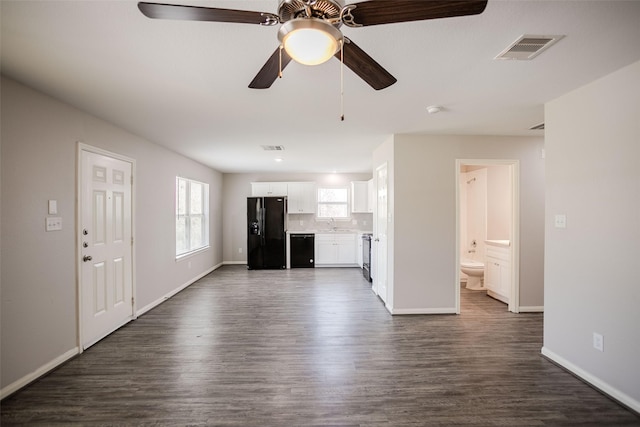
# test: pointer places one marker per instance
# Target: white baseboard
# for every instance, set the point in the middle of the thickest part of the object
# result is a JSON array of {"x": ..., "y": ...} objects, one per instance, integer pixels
[
  {"x": 498, "y": 296},
  {"x": 18, "y": 384},
  {"x": 531, "y": 309},
  {"x": 596, "y": 382},
  {"x": 401, "y": 311},
  {"x": 234, "y": 263},
  {"x": 162, "y": 299}
]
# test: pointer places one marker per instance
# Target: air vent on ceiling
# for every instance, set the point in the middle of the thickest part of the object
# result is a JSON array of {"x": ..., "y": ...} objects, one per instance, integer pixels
[
  {"x": 528, "y": 47},
  {"x": 272, "y": 147},
  {"x": 537, "y": 127}
]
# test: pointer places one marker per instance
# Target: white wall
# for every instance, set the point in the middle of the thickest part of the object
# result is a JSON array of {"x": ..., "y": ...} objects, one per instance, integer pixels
[
  {"x": 591, "y": 277},
  {"x": 499, "y": 203},
  {"x": 38, "y": 281},
  {"x": 236, "y": 189},
  {"x": 425, "y": 215}
]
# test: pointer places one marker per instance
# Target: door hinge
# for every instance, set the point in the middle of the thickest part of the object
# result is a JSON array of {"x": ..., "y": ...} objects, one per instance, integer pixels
[
  {"x": 131, "y": 179},
  {"x": 131, "y": 240},
  {"x": 133, "y": 302}
]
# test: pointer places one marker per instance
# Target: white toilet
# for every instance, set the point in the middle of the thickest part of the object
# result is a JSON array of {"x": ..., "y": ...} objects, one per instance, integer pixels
[{"x": 475, "y": 271}]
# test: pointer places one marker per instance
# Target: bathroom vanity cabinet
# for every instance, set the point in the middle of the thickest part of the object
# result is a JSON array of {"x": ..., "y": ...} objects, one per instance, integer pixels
[{"x": 497, "y": 274}]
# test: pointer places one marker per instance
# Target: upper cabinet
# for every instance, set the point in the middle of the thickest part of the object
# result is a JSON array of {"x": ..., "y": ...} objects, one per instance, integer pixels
[
  {"x": 301, "y": 197},
  {"x": 268, "y": 189},
  {"x": 372, "y": 194},
  {"x": 361, "y": 196}
]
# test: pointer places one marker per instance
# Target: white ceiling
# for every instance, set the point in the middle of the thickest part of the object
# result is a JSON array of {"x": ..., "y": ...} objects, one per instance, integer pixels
[{"x": 184, "y": 84}]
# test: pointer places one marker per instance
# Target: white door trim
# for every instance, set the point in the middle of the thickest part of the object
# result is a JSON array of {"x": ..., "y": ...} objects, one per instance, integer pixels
[
  {"x": 514, "y": 298},
  {"x": 88, "y": 148}
]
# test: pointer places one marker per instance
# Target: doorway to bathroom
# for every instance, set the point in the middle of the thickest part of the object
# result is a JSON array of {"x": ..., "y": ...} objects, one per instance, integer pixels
[{"x": 487, "y": 225}]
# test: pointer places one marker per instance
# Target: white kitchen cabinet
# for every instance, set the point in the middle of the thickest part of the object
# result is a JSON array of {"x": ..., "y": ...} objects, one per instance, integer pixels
[
  {"x": 359, "y": 254},
  {"x": 359, "y": 197},
  {"x": 497, "y": 274},
  {"x": 336, "y": 249},
  {"x": 325, "y": 250},
  {"x": 268, "y": 189},
  {"x": 371, "y": 199},
  {"x": 301, "y": 197}
]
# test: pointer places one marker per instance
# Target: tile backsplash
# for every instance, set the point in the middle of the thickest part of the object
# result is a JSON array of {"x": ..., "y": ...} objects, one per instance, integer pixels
[{"x": 309, "y": 222}]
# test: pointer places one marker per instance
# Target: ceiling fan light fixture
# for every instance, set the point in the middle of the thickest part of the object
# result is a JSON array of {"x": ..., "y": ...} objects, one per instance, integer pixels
[{"x": 310, "y": 41}]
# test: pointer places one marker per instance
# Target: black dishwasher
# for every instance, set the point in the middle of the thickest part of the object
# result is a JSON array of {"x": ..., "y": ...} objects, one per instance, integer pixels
[{"x": 302, "y": 250}]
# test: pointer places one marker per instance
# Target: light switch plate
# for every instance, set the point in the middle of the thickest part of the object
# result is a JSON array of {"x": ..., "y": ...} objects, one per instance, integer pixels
[
  {"x": 560, "y": 221},
  {"x": 53, "y": 223},
  {"x": 53, "y": 207}
]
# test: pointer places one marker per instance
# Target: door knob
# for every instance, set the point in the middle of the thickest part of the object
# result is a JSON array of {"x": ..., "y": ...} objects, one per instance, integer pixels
[{"x": 86, "y": 258}]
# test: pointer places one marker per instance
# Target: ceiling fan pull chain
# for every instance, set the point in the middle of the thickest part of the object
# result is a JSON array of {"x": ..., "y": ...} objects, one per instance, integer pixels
[
  {"x": 342, "y": 80},
  {"x": 280, "y": 61}
]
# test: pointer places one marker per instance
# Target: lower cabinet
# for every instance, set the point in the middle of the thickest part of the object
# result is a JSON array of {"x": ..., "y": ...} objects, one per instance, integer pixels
[
  {"x": 497, "y": 275},
  {"x": 336, "y": 249}
]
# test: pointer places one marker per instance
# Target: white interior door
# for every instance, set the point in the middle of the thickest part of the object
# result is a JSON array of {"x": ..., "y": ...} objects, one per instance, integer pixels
[
  {"x": 380, "y": 237},
  {"x": 106, "y": 281}
]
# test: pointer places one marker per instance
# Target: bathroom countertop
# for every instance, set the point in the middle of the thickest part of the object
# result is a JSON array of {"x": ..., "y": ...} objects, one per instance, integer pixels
[{"x": 503, "y": 243}]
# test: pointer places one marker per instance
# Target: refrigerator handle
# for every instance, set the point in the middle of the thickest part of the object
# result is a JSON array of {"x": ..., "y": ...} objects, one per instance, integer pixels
[{"x": 262, "y": 220}]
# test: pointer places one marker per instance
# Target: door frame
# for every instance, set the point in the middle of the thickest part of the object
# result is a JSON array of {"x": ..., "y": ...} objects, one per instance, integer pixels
[
  {"x": 514, "y": 165},
  {"x": 375, "y": 243},
  {"x": 91, "y": 149}
]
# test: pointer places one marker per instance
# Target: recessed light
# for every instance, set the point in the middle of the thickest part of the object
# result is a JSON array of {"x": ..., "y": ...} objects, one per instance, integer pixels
[
  {"x": 278, "y": 159},
  {"x": 434, "y": 109}
]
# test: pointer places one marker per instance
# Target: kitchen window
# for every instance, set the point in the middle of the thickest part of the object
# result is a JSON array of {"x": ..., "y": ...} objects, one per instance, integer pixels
[
  {"x": 333, "y": 203},
  {"x": 192, "y": 216}
]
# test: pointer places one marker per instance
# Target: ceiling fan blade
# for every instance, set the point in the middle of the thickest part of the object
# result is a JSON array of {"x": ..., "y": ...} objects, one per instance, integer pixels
[
  {"x": 365, "y": 66},
  {"x": 375, "y": 12},
  {"x": 270, "y": 70},
  {"x": 196, "y": 13}
]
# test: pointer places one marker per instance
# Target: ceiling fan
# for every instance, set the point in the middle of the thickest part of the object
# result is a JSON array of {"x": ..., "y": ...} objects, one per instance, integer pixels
[{"x": 310, "y": 29}]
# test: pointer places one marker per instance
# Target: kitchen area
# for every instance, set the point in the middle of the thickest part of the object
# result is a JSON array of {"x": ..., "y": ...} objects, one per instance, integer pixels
[{"x": 309, "y": 237}]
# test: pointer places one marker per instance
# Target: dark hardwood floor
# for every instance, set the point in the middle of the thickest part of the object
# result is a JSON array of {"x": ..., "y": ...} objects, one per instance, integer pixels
[{"x": 313, "y": 347}]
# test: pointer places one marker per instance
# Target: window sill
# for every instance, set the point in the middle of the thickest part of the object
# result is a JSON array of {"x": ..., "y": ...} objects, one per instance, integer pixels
[{"x": 192, "y": 253}]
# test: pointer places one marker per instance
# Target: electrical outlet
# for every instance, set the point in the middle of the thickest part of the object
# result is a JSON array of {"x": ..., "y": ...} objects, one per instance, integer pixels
[
  {"x": 598, "y": 341},
  {"x": 239, "y": 250}
]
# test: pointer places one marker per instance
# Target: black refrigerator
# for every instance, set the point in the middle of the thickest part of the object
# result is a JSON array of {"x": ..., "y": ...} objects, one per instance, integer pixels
[{"x": 266, "y": 232}]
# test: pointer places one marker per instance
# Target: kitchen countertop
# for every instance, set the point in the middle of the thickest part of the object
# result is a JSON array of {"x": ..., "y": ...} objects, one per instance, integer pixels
[{"x": 338, "y": 231}]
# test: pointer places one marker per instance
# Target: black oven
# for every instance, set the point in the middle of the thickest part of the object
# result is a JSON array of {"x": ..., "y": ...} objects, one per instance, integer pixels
[{"x": 366, "y": 256}]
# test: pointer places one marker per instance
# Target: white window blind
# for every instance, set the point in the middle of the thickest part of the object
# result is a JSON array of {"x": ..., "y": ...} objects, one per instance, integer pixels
[{"x": 333, "y": 203}]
